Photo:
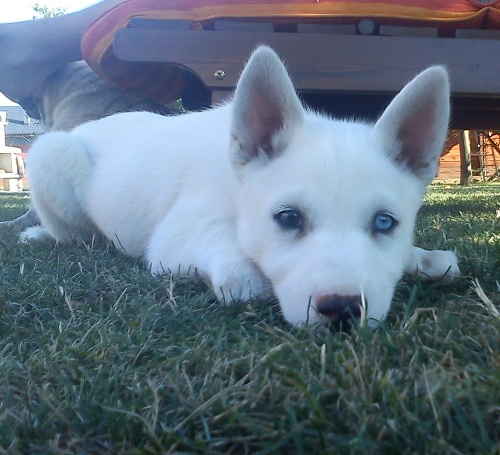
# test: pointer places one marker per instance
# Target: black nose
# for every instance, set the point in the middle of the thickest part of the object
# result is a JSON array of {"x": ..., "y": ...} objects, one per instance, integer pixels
[{"x": 340, "y": 310}]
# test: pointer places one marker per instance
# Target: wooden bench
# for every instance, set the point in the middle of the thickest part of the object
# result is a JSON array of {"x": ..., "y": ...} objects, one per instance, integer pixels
[{"x": 346, "y": 65}]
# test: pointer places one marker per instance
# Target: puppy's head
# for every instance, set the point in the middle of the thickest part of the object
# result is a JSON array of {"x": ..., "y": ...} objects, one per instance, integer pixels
[{"x": 328, "y": 207}]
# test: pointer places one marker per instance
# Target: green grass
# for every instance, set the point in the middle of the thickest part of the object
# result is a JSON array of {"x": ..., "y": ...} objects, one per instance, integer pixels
[{"x": 97, "y": 356}]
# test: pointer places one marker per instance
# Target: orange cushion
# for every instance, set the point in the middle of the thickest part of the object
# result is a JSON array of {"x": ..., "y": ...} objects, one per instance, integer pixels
[{"x": 166, "y": 84}]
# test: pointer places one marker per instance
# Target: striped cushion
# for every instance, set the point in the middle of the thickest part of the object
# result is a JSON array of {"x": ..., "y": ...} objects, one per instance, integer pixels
[{"x": 166, "y": 84}]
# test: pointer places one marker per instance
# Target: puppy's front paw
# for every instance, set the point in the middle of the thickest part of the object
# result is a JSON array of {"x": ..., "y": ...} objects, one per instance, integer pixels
[
  {"x": 34, "y": 233},
  {"x": 240, "y": 281},
  {"x": 433, "y": 265}
]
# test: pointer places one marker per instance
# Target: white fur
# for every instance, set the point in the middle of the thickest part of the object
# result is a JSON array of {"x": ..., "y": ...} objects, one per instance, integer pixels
[
  {"x": 201, "y": 191},
  {"x": 433, "y": 265},
  {"x": 33, "y": 233}
]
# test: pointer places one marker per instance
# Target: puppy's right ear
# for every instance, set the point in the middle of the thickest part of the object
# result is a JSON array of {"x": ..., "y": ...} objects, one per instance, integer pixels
[
  {"x": 265, "y": 109},
  {"x": 415, "y": 124}
]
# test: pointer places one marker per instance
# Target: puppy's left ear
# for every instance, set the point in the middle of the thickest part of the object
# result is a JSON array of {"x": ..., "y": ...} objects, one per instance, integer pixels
[
  {"x": 265, "y": 109},
  {"x": 415, "y": 124}
]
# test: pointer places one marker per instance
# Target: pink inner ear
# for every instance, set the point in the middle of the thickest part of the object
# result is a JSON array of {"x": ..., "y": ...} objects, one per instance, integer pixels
[
  {"x": 265, "y": 117},
  {"x": 264, "y": 129},
  {"x": 418, "y": 136},
  {"x": 413, "y": 154}
]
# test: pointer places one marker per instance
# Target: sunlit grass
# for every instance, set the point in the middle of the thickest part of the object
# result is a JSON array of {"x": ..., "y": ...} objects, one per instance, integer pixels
[{"x": 97, "y": 356}]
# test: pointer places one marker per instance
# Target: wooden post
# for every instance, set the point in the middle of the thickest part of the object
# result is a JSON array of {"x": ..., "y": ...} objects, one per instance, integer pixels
[
  {"x": 465, "y": 160},
  {"x": 476, "y": 155}
]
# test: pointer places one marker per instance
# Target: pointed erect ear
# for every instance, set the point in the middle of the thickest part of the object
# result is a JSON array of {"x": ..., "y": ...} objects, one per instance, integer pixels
[
  {"x": 415, "y": 124},
  {"x": 265, "y": 109}
]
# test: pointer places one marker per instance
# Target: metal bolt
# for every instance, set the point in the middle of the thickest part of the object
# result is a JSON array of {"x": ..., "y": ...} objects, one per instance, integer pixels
[{"x": 220, "y": 74}]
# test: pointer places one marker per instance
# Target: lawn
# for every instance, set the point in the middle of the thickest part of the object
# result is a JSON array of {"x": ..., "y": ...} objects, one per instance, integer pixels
[{"x": 97, "y": 356}]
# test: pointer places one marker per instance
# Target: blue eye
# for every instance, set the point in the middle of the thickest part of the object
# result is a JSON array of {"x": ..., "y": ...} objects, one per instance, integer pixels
[
  {"x": 384, "y": 223},
  {"x": 289, "y": 219}
]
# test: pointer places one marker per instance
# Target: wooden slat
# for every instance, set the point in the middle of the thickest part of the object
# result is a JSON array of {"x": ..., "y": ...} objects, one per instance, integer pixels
[
  {"x": 227, "y": 25},
  {"x": 368, "y": 64},
  {"x": 143, "y": 22},
  {"x": 420, "y": 32},
  {"x": 332, "y": 29},
  {"x": 343, "y": 75},
  {"x": 478, "y": 34}
]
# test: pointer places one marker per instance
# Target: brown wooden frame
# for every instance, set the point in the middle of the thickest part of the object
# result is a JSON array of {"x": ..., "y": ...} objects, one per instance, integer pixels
[{"x": 342, "y": 74}]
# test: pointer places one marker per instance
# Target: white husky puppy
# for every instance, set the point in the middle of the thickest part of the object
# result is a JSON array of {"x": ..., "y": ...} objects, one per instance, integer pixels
[{"x": 258, "y": 194}]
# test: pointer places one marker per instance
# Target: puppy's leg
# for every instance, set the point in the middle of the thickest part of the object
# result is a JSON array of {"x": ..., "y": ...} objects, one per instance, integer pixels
[
  {"x": 60, "y": 169},
  {"x": 29, "y": 219},
  {"x": 186, "y": 242},
  {"x": 433, "y": 265}
]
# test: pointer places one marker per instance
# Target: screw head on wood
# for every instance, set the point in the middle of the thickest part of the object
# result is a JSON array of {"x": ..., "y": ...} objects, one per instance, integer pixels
[{"x": 219, "y": 74}]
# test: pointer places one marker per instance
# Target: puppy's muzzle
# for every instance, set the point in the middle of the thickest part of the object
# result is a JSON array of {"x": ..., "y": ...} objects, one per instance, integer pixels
[{"x": 340, "y": 311}]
